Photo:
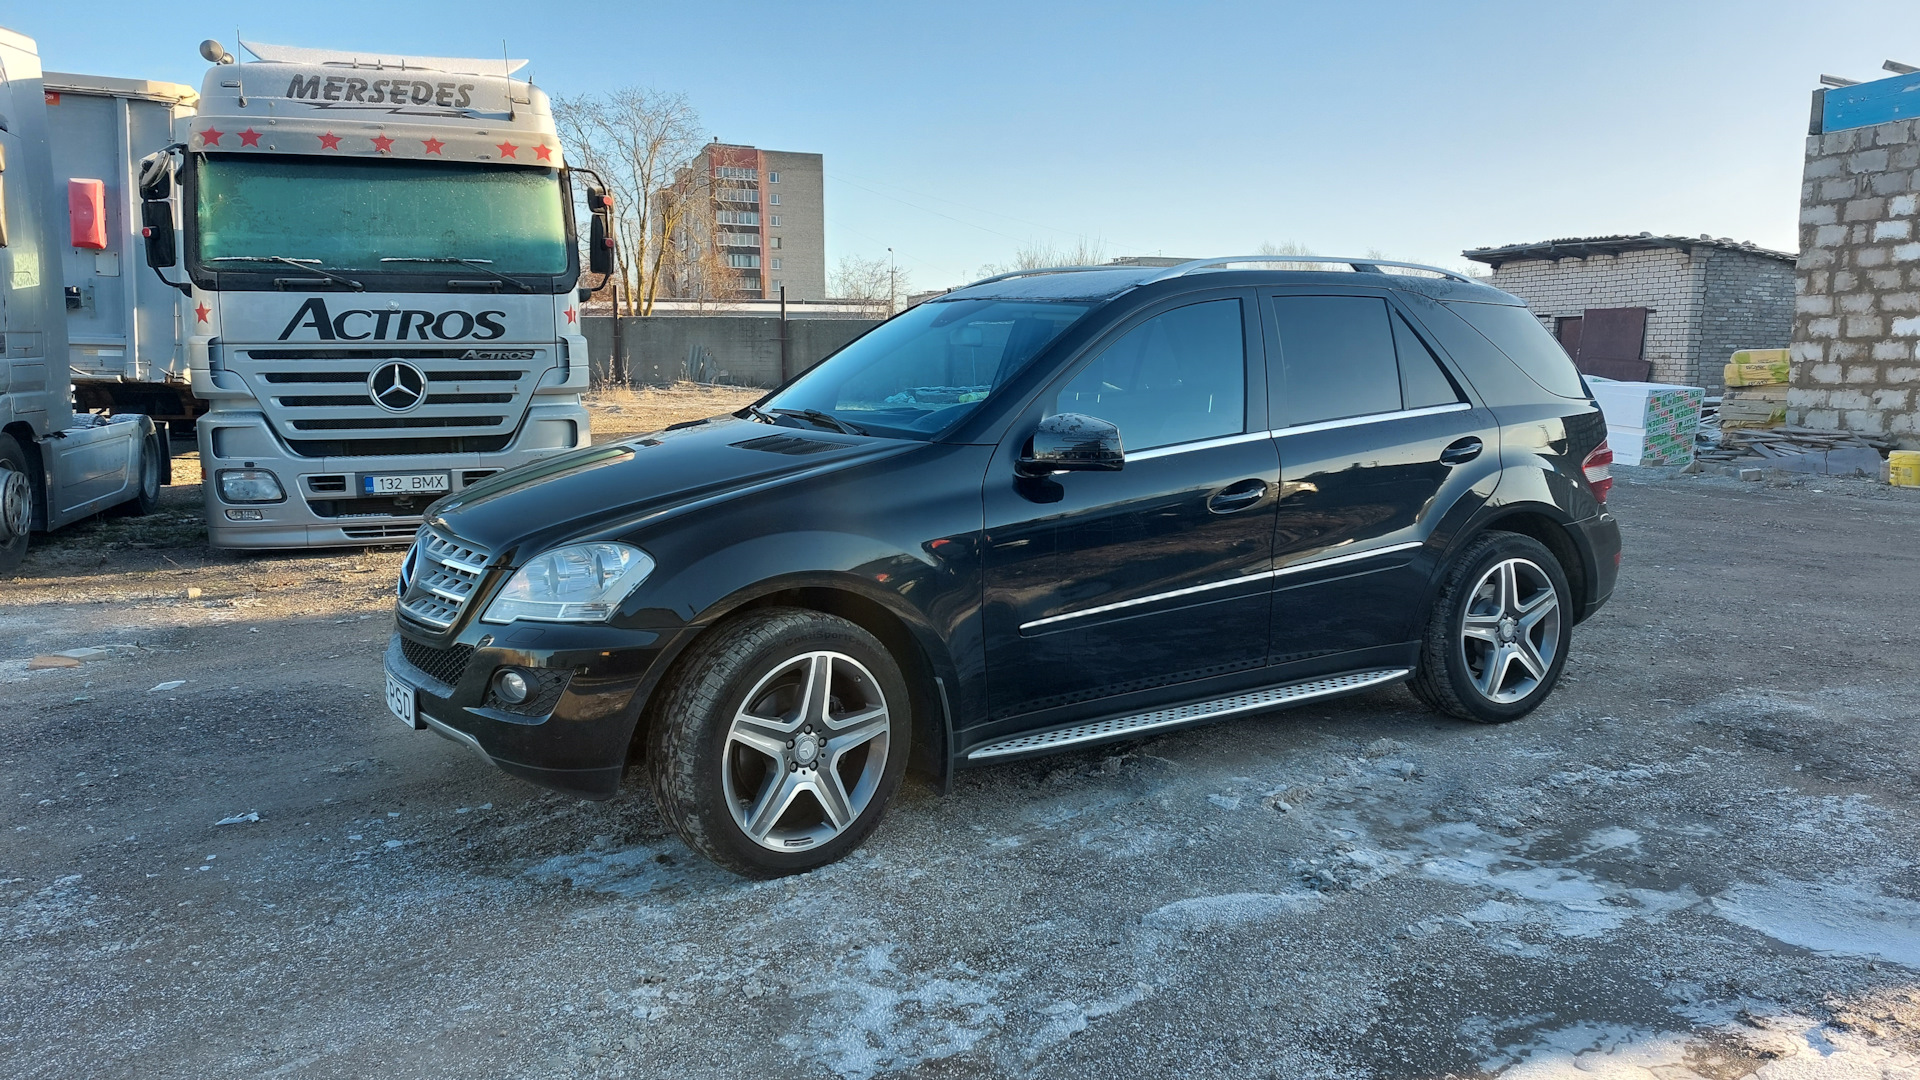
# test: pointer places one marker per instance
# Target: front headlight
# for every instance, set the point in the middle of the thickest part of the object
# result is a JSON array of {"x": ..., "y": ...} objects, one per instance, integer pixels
[
  {"x": 250, "y": 486},
  {"x": 576, "y": 583}
]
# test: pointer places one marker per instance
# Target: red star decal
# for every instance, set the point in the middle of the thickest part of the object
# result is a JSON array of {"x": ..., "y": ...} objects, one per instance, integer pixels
[
  {"x": 382, "y": 143},
  {"x": 249, "y": 137},
  {"x": 203, "y": 311},
  {"x": 570, "y": 314},
  {"x": 543, "y": 153},
  {"x": 329, "y": 141},
  {"x": 211, "y": 137},
  {"x": 507, "y": 149},
  {"x": 433, "y": 146}
]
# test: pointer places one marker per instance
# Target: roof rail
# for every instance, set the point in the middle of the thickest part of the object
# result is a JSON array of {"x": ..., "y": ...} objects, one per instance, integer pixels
[
  {"x": 1039, "y": 270},
  {"x": 1364, "y": 266}
]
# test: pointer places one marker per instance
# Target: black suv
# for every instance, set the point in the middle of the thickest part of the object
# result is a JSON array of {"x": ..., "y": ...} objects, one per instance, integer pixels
[{"x": 1046, "y": 510}]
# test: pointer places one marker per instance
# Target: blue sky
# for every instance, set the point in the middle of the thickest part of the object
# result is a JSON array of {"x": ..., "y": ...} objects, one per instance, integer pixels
[{"x": 954, "y": 133}]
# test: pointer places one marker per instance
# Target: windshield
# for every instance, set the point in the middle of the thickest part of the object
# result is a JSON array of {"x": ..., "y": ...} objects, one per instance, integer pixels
[
  {"x": 921, "y": 372},
  {"x": 349, "y": 215}
]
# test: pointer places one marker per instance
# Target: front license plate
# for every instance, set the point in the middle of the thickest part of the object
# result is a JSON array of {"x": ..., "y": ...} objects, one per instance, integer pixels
[
  {"x": 400, "y": 701},
  {"x": 405, "y": 484}
]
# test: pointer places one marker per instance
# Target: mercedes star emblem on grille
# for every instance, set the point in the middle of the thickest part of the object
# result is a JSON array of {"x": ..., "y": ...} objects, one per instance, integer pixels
[{"x": 397, "y": 386}]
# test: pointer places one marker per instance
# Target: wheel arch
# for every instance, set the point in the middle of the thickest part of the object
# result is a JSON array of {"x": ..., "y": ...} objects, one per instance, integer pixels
[
  {"x": 1549, "y": 527},
  {"x": 924, "y": 662}
]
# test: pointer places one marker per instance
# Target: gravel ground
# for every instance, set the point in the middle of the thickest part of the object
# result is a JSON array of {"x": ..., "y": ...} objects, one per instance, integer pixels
[{"x": 1697, "y": 860}]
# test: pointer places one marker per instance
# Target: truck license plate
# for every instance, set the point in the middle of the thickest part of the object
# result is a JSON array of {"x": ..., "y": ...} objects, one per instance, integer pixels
[
  {"x": 400, "y": 701},
  {"x": 406, "y": 484}
]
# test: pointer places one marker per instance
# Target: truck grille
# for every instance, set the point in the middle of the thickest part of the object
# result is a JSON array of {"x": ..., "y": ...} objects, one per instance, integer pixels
[
  {"x": 437, "y": 578},
  {"x": 321, "y": 401}
]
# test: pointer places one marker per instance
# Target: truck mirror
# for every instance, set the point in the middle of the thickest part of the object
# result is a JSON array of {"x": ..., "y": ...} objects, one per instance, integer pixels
[
  {"x": 600, "y": 245},
  {"x": 598, "y": 201},
  {"x": 156, "y": 215},
  {"x": 156, "y": 175}
]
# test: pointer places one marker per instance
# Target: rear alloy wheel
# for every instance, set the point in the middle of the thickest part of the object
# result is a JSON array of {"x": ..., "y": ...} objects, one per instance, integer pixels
[
  {"x": 1498, "y": 636},
  {"x": 779, "y": 741}
]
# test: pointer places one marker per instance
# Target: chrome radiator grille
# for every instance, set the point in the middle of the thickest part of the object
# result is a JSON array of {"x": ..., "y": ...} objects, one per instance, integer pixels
[
  {"x": 438, "y": 577},
  {"x": 324, "y": 401}
]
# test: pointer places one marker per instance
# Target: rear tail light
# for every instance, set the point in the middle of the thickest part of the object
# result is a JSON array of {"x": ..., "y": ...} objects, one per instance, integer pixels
[{"x": 1599, "y": 470}]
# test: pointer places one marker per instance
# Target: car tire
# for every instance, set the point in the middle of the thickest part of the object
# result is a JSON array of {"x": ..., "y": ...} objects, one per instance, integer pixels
[
  {"x": 16, "y": 503},
  {"x": 715, "y": 752},
  {"x": 1497, "y": 638},
  {"x": 148, "y": 494}
]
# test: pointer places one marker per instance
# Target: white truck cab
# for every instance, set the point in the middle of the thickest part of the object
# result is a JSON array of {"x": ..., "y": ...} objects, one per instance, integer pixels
[
  {"x": 55, "y": 467},
  {"x": 378, "y": 264}
]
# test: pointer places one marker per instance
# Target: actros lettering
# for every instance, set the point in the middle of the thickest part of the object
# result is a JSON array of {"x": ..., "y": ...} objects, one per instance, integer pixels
[{"x": 360, "y": 324}]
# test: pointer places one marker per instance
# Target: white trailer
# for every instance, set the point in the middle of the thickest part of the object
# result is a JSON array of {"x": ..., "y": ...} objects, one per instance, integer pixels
[
  {"x": 55, "y": 467},
  {"x": 124, "y": 337}
]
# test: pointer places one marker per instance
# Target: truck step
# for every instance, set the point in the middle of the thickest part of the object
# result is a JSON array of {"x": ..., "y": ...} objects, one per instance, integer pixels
[{"x": 1196, "y": 712}]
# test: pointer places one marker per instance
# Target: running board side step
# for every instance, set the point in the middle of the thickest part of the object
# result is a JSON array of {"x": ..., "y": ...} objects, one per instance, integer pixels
[{"x": 1197, "y": 712}]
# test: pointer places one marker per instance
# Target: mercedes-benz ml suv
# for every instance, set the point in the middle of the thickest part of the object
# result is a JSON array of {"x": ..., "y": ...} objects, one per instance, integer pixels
[{"x": 1044, "y": 511}]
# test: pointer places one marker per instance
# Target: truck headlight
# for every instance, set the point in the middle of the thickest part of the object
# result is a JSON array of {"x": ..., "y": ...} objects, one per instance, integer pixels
[
  {"x": 576, "y": 583},
  {"x": 250, "y": 486}
]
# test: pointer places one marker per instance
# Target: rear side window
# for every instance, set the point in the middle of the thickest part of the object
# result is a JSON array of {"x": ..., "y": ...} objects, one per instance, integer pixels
[
  {"x": 1336, "y": 358},
  {"x": 1423, "y": 382},
  {"x": 1178, "y": 377},
  {"x": 1515, "y": 332}
]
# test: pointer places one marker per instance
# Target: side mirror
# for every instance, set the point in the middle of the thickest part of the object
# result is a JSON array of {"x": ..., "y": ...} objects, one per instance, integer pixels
[
  {"x": 1073, "y": 442},
  {"x": 600, "y": 232},
  {"x": 156, "y": 215},
  {"x": 156, "y": 175}
]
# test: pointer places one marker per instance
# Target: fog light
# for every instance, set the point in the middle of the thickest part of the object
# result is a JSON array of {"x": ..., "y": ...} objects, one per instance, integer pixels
[
  {"x": 244, "y": 515},
  {"x": 510, "y": 686},
  {"x": 250, "y": 486}
]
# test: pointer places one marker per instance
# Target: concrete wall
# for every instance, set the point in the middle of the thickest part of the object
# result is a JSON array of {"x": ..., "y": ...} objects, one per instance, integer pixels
[
  {"x": 1856, "y": 328},
  {"x": 742, "y": 350},
  {"x": 1704, "y": 303}
]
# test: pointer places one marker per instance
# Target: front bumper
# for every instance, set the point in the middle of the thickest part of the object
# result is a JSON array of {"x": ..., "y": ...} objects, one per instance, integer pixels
[
  {"x": 575, "y": 741},
  {"x": 323, "y": 505}
]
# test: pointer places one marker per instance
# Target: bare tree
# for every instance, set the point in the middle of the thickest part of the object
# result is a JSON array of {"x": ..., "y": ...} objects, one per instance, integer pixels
[
  {"x": 639, "y": 141},
  {"x": 878, "y": 288},
  {"x": 1035, "y": 255}
]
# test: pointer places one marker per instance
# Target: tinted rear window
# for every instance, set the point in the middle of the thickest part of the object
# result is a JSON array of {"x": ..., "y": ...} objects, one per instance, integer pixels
[
  {"x": 1336, "y": 357},
  {"x": 1515, "y": 332}
]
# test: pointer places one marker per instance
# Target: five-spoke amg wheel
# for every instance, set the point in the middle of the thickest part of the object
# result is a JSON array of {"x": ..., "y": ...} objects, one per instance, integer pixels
[
  {"x": 779, "y": 740},
  {"x": 1498, "y": 635}
]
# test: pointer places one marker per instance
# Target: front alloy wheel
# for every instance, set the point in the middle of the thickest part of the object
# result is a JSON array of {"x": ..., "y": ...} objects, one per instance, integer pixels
[
  {"x": 806, "y": 752},
  {"x": 776, "y": 742}
]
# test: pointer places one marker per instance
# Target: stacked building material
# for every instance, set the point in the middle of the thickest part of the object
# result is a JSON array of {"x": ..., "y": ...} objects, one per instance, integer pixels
[
  {"x": 1797, "y": 449},
  {"x": 1649, "y": 423},
  {"x": 1756, "y": 394}
]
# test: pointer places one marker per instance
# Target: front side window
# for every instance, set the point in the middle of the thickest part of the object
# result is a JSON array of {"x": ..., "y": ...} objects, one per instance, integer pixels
[
  {"x": 349, "y": 215},
  {"x": 1178, "y": 377},
  {"x": 918, "y": 374}
]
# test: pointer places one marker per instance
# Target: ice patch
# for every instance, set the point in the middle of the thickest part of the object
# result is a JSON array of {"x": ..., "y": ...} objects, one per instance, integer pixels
[
  {"x": 1827, "y": 918},
  {"x": 890, "y": 1027},
  {"x": 1231, "y": 909},
  {"x": 1065, "y": 1019},
  {"x": 633, "y": 871},
  {"x": 1573, "y": 902}
]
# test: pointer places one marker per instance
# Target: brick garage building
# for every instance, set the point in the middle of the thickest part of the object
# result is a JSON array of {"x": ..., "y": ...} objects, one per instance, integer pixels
[
  {"x": 1856, "y": 332},
  {"x": 1666, "y": 308}
]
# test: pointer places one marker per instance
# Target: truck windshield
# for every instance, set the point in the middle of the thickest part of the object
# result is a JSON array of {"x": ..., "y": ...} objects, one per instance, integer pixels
[
  {"x": 349, "y": 215},
  {"x": 918, "y": 374}
]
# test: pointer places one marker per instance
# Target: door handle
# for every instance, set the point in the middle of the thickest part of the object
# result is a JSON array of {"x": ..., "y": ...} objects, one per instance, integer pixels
[
  {"x": 1237, "y": 496},
  {"x": 1461, "y": 451}
]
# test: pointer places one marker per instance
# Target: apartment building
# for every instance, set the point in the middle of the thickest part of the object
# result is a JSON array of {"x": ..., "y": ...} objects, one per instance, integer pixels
[{"x": 769, "y": 226}]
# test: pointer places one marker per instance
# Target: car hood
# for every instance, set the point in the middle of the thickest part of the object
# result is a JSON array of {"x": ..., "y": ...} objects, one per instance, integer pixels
[{"x": 609, "y": 490}]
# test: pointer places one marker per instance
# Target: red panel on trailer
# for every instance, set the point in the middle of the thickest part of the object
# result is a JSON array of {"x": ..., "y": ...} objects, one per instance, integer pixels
[{"x": 87, "y": 213}]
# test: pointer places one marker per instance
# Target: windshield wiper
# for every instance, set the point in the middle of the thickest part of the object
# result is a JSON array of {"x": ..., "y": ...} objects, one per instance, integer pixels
[
  {"x": 762, "y": 415},
  {"x": 825, "y": 419},
  {"x": 485, "y": 266},
  {"x": 302, "y": 264}
]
